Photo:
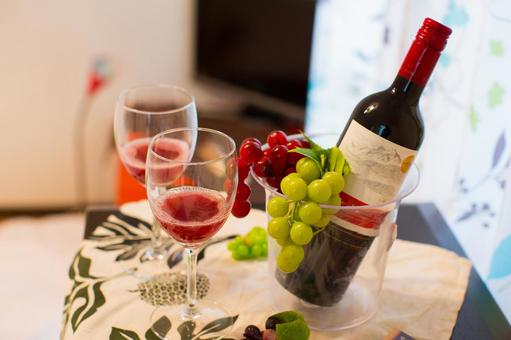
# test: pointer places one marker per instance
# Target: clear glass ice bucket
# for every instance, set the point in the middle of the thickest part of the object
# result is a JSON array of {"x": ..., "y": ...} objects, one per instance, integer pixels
[{"x": 337, "y": 285}]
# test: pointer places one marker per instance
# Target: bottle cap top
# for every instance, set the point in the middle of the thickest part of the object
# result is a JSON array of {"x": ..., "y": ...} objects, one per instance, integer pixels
[{"x": 434, "y": 34}]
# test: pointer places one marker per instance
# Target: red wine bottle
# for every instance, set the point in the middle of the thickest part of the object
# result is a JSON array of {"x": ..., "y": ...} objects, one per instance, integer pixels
[
  {"x": 380, "y": 143},
  {"x": 385, "y": 130}
]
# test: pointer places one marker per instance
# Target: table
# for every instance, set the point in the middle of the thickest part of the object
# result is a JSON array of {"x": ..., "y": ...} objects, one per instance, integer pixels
[{"x": 479, "y": 317}]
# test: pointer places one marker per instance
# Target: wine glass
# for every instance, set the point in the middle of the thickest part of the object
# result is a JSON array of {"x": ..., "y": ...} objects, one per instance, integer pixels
[
  {"x": 191, "y": 197},
  {"x": 140, "y": 114}
]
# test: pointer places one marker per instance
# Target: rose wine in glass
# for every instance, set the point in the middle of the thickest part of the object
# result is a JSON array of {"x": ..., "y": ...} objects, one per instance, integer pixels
[
  {"x": 191, "y": 201},
  {"x": 140, "y": 114}
]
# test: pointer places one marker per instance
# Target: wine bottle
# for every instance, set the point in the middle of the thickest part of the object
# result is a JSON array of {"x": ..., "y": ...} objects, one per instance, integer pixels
[
  {"x": 385, "y": 130},
  {"x": 380, "y": 142}
]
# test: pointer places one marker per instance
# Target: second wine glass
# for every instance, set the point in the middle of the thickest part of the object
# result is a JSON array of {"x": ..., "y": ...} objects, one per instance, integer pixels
[
  {"x": 140, "y": 114},
  {"x": 192, "y": 199}
]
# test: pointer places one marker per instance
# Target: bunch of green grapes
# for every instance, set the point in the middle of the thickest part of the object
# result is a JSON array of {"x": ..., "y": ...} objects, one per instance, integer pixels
[
  {"x": 298, "y": 218},
  {"x": 251, "y": 246}
]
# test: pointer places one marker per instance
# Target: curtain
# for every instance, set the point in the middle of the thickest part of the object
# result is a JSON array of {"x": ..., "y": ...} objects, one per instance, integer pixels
[{"x": 466, "y": 154}]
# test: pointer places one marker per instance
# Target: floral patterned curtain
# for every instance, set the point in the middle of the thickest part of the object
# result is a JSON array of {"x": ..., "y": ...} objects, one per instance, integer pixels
[{"x": 466, "y": 155}]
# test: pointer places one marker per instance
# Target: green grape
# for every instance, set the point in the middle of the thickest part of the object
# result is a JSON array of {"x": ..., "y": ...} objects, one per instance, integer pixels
[
  {"x": 243, "y": 251},
  {"x": 323, "y": 222},
  {"x": 260, "y": 239},
  {"x": 290, "y": 258},
  {"x": 296, "y": 215},
  {"x": 319, "y": 191},
  {"x": 294, "y": 188},
  {"x": 282, "y": 241},
  {"x": 335, "y": 180},
  {"x": 257, "y": 230},
  {"x": 334, "y": 200},
  {"x": 257, "y": 250},
  {"x": 293, "y": 174},
  {"x": 277, "y": 207},
  {"x": 301, "y": 233},
  {"x": 308, "y": 169},
  {"x": 279, "y": 228},
  {"x": 249, "y": 239},
  {"x": 264, "y": 248},
  {"x": 310, "y": 212},
  {"x": 235, "y": 255},
  {"x": 233, "y": 244}
]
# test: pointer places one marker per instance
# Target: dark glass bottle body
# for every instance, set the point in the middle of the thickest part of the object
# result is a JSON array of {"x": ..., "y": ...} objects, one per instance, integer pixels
[{"x": 392, "y": 114}]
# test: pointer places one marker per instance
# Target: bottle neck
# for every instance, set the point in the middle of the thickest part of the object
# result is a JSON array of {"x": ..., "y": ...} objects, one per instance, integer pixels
[
  {"x": 416, "y": 70},
  {"x": 410, "y": 91}
]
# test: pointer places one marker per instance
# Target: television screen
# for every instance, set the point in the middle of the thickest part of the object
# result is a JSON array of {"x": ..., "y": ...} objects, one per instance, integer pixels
[{"x": 258, "y": 45}]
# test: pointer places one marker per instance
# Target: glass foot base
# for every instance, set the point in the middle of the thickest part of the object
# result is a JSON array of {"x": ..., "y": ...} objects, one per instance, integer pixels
[{"x": 209, "y": 321}]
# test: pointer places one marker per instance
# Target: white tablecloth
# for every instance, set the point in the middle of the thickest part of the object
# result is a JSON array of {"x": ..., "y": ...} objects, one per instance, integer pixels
[{"x": 422, "y": 293}]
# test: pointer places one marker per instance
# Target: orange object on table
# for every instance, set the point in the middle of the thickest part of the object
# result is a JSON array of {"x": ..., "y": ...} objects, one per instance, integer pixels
[{"x": 128, "y": 189}]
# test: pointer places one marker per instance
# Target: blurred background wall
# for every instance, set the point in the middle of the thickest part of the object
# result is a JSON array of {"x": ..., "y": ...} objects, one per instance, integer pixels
[{"x": 48, "y": 50}]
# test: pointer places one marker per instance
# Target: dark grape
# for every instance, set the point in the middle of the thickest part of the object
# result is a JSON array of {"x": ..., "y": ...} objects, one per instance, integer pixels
[
  {"x": 243, "y": 192},
  {"x": 252, "y": 333},
  {"x": 262, "y": 167},
  {"x": 276, "y": 138},
  {"x": 241, "y": 208},
  {"x": 271, "y": 322},
  {"x": 250, "y": 152}
]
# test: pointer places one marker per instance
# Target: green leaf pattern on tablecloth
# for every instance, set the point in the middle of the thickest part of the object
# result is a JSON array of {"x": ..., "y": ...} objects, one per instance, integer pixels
[
  {"x": 186, "y": 330},
  {"x": 86, "y": 288},
  {"x": 121, "y": 232},
  {"x": 159, "y": 329},
  {"x": 123, "y": 334}
]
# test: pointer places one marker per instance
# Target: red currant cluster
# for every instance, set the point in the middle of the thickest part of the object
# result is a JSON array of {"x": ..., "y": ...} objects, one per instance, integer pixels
[{"x": 273, "y": 163}]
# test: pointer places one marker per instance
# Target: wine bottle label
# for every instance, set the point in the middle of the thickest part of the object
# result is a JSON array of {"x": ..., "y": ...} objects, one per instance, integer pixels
[{"x": 378, "y": 169}]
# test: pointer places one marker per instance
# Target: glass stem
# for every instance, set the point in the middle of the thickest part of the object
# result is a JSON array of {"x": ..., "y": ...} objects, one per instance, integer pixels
[
  {"x": 191, "y": 311},
  {"x": 156, "y": 236}
]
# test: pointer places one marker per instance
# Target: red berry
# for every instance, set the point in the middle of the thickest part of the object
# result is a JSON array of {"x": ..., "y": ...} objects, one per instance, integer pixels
[
  {"x": 278, "y": 157},
  {"x": 279, "y": 153},
  {"x": 251, "y": 139},
  {"x": 250, "y": 152},
  {"x": 278, "y": 168},
  {"x": 274, "y": 181},
  {"x": 243, "y": 192},
  {"x": 289, "y": 170},
  {"x": 293, "y": 144},
  {"x": 276, "y": 138},
  {"x": 305, "y": 144},
  {"x": 267, "y": 152},
  {"x": 243, "y": 169},
  {"x": 262, "y": 167},
  {"x": 241, "y": 208},
  {"x": 294, "y": 157}
]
